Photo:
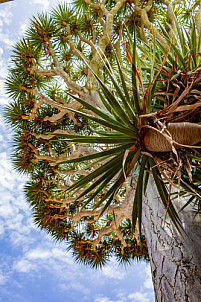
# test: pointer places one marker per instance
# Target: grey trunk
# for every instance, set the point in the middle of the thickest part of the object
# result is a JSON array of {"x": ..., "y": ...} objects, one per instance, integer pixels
[{"x": 175, "y": 262}]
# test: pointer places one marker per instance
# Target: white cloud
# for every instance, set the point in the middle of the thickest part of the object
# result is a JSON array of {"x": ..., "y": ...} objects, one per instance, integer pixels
[
  {"x": 24, "y": 266},
  {"x": 5, "y": 15},
  {"x": 113, "y": 272},
  {"x": 102, "y": 299},
  {"x": 44, "y": 253},
  {"x": 21, "y": 241},
  {"x": 145, "y": 294},
  {"x": 2, "y": 99},
  {"x": 148, "y": 281},
  {"x": 106, "y": 299},
  {"x": 14, "y": 211},
  {"x": 23, "y": 27},
  {"x": 6, "y": 211},
  {"x": 39, "y": 253},
  {"x": 145, "y": 273},
  {"x": 3, "y": 278},
  {"x": 139, "y": 297},
  {"x": 51, "y": 259},
  {"x": 3, "y": 75},
  {"x": 45, "y": 3},
  {"x": 4, "y": 38},
  {"x": 1, "y": 228},
  {"x": 74, "y": 285}
]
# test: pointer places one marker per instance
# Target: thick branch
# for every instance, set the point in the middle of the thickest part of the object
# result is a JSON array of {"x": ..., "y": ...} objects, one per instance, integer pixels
[{"x": 59, "y": 71}]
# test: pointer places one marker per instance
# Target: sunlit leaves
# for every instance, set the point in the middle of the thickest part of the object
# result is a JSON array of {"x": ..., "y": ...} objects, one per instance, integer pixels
[{"x": 41, "y": 31}]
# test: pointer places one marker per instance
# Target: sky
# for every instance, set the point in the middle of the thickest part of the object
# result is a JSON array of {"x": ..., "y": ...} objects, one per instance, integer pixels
[{"x": 33, "y": 268}]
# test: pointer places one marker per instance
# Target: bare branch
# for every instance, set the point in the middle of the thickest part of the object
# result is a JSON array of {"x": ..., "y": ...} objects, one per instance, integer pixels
[{"x": 59, "y": 71}]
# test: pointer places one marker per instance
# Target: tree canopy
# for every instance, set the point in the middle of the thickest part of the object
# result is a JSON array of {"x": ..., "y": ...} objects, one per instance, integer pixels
[{"x": 86, "y": 99}]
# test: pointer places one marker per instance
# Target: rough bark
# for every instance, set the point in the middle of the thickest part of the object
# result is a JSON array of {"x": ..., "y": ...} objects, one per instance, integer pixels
[{"x": 175, "y": 262}]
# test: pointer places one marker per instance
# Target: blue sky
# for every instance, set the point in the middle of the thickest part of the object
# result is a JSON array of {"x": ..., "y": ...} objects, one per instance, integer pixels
[{"x": 33, "y": 268}]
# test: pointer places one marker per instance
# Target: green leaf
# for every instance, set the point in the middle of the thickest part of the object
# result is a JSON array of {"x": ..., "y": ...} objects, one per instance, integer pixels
[
  {"x": 146, "y": 177},
  {"x": 116, "y": 106},
  {"x": 125, "y": 88},
  {"x": 182, "y": 39},
  {"x": 98, "y": 154},
  {"x": 193, "y": 44},
  {"x": 153, "y": 54},
  {"x": 136, "y": 97},
  {"x": 164, "y": 51},
  {"x": 108, "y": 175},
  {"x": 137, "y": 204},
  {"x": 199, "y": 45},
  {"x": 187, "y": 203},
  {"x": 109, "y": 194},
  {"x": 111, "y": 125},
  {"x": 177, "y": 51},
  {"x": 106, "y": 104},
  {"x": 164, "y": 31},
  {"x": 95, "y": 139},
  {"x": 111, "y": 100},
  {"x": 107, "y": 204},
  {"x": 125, "y": 100},
  {"x": 97, "y": 111},
  {"x": 117, "y": 159}
]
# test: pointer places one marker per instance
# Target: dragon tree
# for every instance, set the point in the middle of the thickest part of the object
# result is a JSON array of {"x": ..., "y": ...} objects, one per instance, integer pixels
[{"x": 105, "y": 107}]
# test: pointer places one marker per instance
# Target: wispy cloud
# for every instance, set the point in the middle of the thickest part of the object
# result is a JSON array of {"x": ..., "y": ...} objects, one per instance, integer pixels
[
  {"x": 3, "y": 278},
  {"x": 148, "y": 280},
  {"x": 133, "y": 297},
  {"x": 24, "y": 266},
  {"x": 138, "y": 297},
  {"x": 113, "y": 272},
  {"x": 5, "y": 39},
  {"x": 45, "y": 3},
  {"x": 106, "y": 299},
  {"x": 23, "y": 27},
  {"x": 5, "y": 15},
  {"x": 146, "y": 290}
]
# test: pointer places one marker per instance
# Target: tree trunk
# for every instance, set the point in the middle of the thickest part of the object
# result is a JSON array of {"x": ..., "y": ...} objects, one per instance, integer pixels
[{"x": 175, "y": 262}]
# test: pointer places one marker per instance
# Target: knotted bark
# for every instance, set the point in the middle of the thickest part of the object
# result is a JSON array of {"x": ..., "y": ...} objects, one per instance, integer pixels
[{"x": 175, "y": 261}]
